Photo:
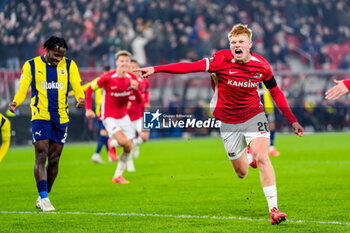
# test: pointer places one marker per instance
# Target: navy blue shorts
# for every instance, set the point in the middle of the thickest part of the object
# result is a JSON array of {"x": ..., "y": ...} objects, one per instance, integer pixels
[
  {"x": 101, "y": 125},
  {"x": 42, "y": 129}
]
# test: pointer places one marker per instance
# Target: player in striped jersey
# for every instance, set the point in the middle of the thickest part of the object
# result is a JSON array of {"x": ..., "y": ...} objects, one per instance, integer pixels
[
  {"x": 5, "y": 130},
  {"x": 49, "y": 76}
]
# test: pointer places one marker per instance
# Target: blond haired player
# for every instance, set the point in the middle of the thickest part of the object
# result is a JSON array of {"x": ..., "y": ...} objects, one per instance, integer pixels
[
  {"x": 237, "y": 105},
  {"x": 118, "y": 85}
]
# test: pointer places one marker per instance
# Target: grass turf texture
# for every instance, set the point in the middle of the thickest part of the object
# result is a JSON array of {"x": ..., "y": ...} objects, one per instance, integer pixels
[{"x": 176, "y": 177}]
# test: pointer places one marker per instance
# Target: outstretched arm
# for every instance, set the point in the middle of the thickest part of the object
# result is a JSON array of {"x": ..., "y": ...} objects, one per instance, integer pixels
[
  {"x": 175, "y": 68},
  {"x": 339, "y": 90},
  {"x": 88, "y": 111}
]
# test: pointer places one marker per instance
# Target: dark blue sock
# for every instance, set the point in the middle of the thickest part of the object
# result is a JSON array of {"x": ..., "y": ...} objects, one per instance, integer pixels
[
  {"x": 105, "y": 142},
  {"x": 102, "y": 140},
  {"x": 272, "y": 138},
  {"x": 49, "y": 187},
  {"x": 42, "y": 188}
]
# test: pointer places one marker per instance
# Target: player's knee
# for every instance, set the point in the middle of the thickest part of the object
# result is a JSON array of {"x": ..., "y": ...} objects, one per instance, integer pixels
[
  {"x": 53, "y": 161},
  {"x": 122, "y": 142},
  {"x": 128, "y": 146},
  {"x": 41, "y": 154},
  {"x": 41, "y": 151},
  {"x": 262, "y": 159},
  {"x": 40, "y": 159},
  {"x": 241, "y": 173}
]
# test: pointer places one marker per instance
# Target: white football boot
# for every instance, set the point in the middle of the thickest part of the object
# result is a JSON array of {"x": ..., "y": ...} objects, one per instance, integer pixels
[
  {"x": 96, "y": 158},
  {"x": 46, "y": 205},
  {"x": 38, "y": 203}
]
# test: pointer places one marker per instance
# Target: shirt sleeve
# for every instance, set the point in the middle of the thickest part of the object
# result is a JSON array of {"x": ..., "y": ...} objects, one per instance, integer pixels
[
  {"x": 268, "y": 73},
  {"x": 99, "y": 83},
  {"x": 5, "y": 137},
  {"x": 347, "y": 84},
  {"x": 215, "y": 62},
  {"x": 75, "y": 81},
  {"x": 182, "y": 67},
  {"x": 282, "y": 104},
  {"x": 25, "y": 81},
  {"x": 96, "y": 84}
]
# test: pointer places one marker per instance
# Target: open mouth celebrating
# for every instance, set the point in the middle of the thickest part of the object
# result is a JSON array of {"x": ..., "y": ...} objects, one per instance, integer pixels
[{"x": 238, "y": 51}]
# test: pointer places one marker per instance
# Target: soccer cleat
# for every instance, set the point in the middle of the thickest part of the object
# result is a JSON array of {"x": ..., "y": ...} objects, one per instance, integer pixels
[
  {"x": 254, "y": 163},
  {"x": 96, "y": 158},
  {"x": 46, "y": 205},
  {"x": 130, "y": 167},
  {"x": 274, "y": 152},
  {"x": 38, "y": 203},
  {"x": 277, "y": 217},
  {"x": 120, "y": 180},
  {"x": 112, "y": 152}
]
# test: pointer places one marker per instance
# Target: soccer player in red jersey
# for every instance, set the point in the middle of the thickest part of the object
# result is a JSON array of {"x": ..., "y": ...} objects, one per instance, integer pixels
[
  {"x": 135, "y": 112},
  {"x": 118, "y": 85},
  {"x": 342, "y": 88},
  {"x": 237, "y": 105}
]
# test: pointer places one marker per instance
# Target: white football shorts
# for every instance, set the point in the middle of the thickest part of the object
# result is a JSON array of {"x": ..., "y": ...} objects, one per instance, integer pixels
[
  {"x": 137, "y": 125},
  {"x": 113, "y": 125},
  {"x": 236, "y": 137}
]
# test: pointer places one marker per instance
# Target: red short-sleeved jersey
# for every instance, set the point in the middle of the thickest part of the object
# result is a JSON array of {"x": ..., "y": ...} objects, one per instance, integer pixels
[
  {"x": 136, "y": 109},
  {"x": 115, "y": 95},
  {"x": 235, "y": 98}
]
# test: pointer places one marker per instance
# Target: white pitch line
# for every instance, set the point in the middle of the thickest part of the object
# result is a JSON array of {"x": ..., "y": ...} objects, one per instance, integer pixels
[{"x": 175, "y": 216}]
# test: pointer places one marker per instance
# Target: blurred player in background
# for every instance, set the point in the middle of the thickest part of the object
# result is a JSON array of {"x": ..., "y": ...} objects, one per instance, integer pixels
[
  {"x": 236, "y": 104},
  {"x": 103, "y": 134},
  {"x": 266, "y": 100},
  {"x": 135, "y": 112},
  {"x": 5, "y": 130},
  {"x": 342, "y": 88},
  {"x": 49, "y": 77},
  {"x": 118, "y": 85}
]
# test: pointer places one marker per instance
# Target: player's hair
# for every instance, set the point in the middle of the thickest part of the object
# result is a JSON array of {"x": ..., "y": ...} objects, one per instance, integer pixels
[
  {"x": 55, "y": 42},
  {"x": 240, "y": 29},
  {"x": 122, "y": 53},
  {"x": 107, "y": 68},
  {"x": 134, "y": 60}
]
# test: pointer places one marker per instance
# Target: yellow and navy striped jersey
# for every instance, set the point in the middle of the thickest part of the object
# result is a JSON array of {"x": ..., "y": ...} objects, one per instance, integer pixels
[
  {"x": 5, "y": 129},
  {"x": 50, "y": 86},
  {"x": 265, "y": 99}
]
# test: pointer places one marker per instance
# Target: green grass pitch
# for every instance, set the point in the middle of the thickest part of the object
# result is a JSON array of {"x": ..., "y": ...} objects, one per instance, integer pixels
[{"x": 183, "y": 186}]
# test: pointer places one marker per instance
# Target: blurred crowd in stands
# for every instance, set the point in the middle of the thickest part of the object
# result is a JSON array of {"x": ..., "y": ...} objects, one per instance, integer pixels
[{"x": 315, "y": 33}]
